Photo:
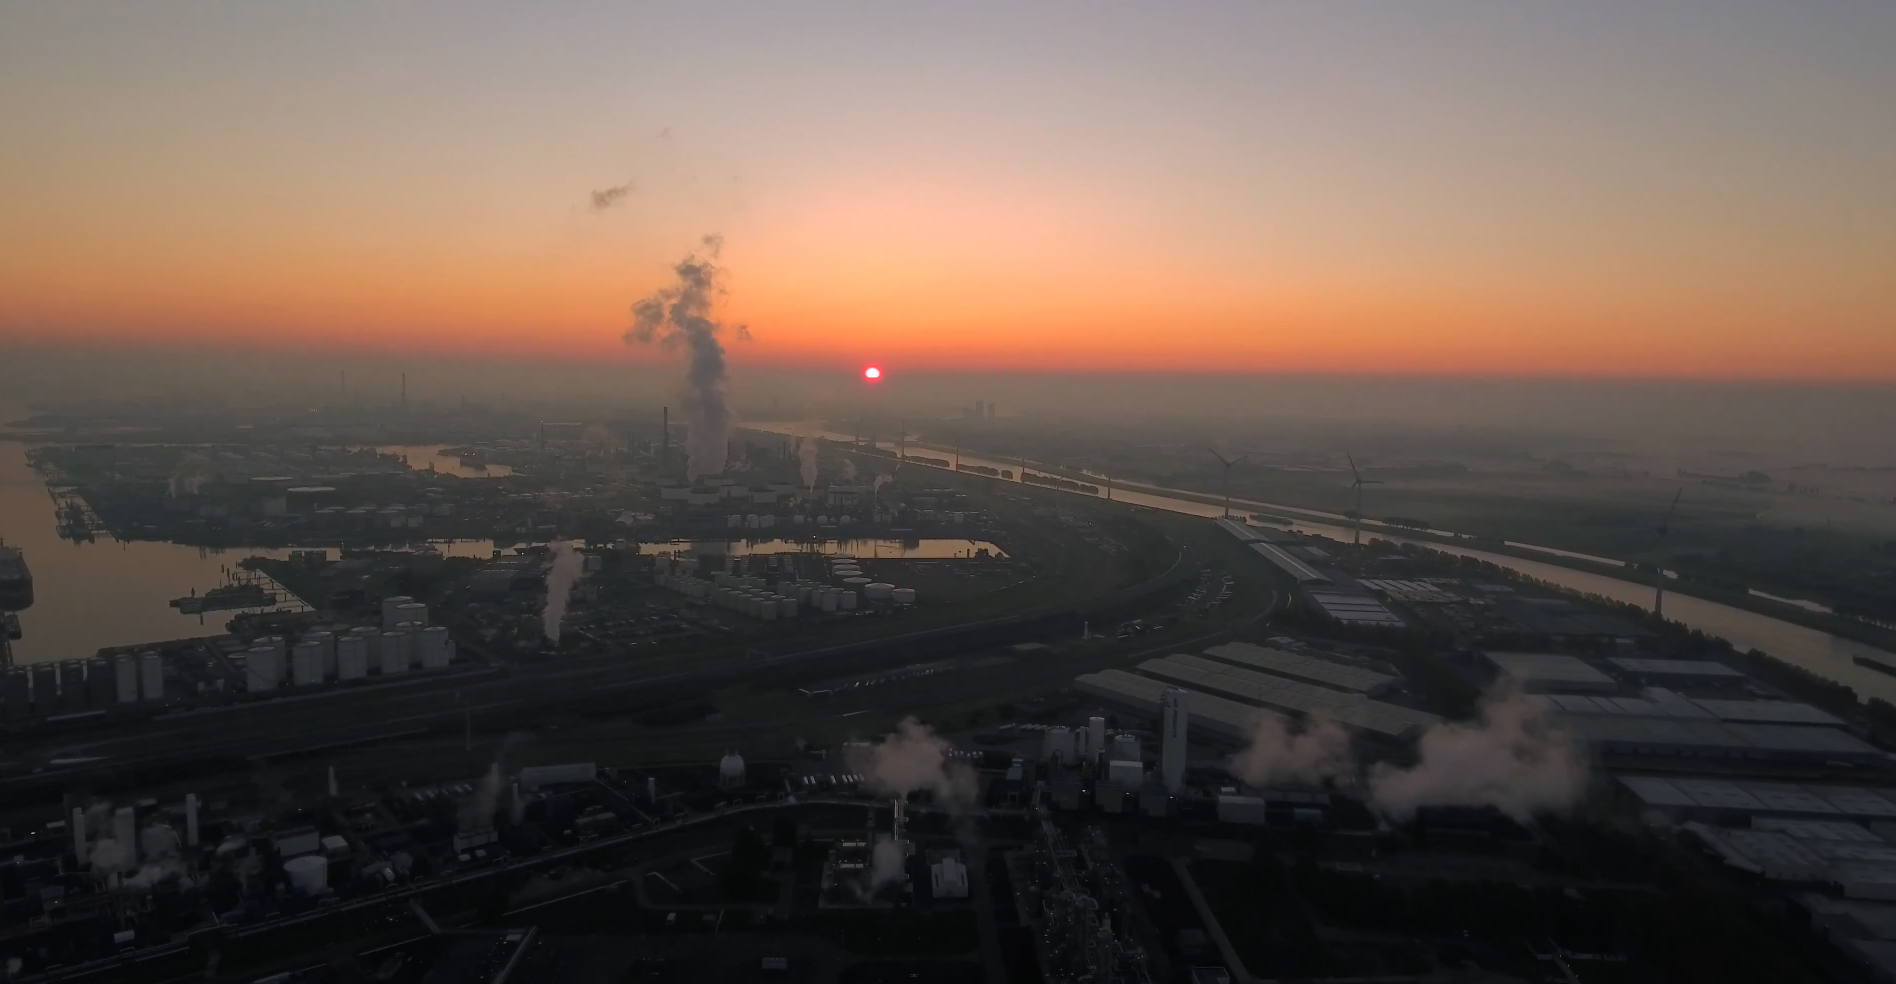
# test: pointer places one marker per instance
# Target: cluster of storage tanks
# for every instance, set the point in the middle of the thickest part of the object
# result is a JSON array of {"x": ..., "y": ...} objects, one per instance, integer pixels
[
  {"x": 75, "y": 685},
  {"x": 402, "y": 642},
  {"x": 848, "y": 570}
]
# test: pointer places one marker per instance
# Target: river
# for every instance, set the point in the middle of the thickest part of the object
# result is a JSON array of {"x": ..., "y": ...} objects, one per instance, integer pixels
[{"x": 1827, "y": 655}]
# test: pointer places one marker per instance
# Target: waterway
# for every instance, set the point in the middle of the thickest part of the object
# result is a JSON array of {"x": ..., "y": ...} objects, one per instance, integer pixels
[
  {"x": 428, "y": 457},
  {"x": 1827, "y": 655}
]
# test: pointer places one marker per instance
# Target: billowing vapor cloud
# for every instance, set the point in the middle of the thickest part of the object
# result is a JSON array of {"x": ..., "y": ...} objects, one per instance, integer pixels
[
  {"x": 1276, "y": 755},
  {"x": 849, "y": 469},
  {"x": 560, "y": 578},
  {"x": 886, "y": 863},
  {"x": 806, "y": 454},
  {"x": 679, "y": 316},
  {"x": 910, "y": 758},
  {"x": 605, "y": 198},
  {"x": 1513, "y": 758},
  {"x": 189, "y": 477}
]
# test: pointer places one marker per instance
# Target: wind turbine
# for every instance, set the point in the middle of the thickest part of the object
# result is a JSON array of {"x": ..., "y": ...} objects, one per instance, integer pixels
[
  {"x": 1225, "y": 485},
  {"x": 1665, "y": 525},
  {"x": 1357, "y": 481}
]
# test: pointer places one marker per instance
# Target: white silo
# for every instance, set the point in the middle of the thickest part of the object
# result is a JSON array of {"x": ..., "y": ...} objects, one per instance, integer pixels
[
  {"x": 352, "y": 657},
  {"x": 786, "y": 607},
  {"x": 125, "y": 678},
  {"x": 263, "y": 669},
  {"x": 151, "y": 676},
  {"x": 413, "y": 611},
  {"x": 1096, "y": 736},
  {"x": 437, "y": 648},
  {"x": 1125, "y": 748},
  {"x": 388, "y": 610},
  {"x": 306, "y": 664},
  {"x": 326, "y": 650},
  {"x": 846, "y": 601},
  {"x": 309, "y": 874},
  {"x": 878, "y": 591},
  {"x": 831, "y": 599},
  {"x": 731, "y": 771},
  {"x": 903, "y": 596},
  {"x": 125, "y": 832},
  {"x": 392, "y": 653}
]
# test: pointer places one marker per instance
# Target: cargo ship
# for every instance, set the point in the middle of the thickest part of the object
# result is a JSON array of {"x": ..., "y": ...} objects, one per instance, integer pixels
[{"x": 16, "y": 582}]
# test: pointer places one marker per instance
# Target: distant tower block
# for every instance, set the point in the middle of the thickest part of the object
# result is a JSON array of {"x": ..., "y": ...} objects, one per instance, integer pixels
[{"x": 1172, "y": 751}]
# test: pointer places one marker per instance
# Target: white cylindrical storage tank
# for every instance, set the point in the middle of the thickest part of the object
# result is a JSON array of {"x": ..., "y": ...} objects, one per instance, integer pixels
[
  {"x": 733, "y": 521},
  {"x": 831, "y": 599},
  {"x": 263, "y": 670},
  {"x": 413, "y": 611},
  {"x": 306, "y": 664},
  {"x": 326, "y": 641},
  {"x": 847, "y": 602},
  {"x": 410, "y": 629},
  {"x": 750, "y": 521},
  {"x": 767, "y": 609},
  {"x": 857, "y": 583},
  {"x": 352, "y": 657},
  {"x": 661, "y": 565},
  {"x": 877, "y": 591},
  {"x": 388, "y": 610},
  {"x": 767, "y": 521},
  {"x": 392, "y": 652},
  {"x": 151, "y": 676},
  {"x": 309, "y": 873},
  {"x": 125, "y": 678},
  {"x": 903, "y": 596},
  {"x": 786, "y": 608},
  {"x": 437, "y": 647}
]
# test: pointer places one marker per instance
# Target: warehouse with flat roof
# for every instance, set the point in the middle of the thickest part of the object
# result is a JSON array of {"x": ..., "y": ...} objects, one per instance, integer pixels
[
  {"x": 1675, "y": 671},
  {"x": 1672, "y": 737},
  {"x": 1550, "y": 673},
  {"x": 1291, "y": 696},
  {"x": 1297, "y": 666},
  {"x": 1206, "y": 714}
]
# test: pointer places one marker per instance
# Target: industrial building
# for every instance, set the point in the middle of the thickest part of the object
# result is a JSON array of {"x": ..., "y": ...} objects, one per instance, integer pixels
[
  {"x": 1225, "y": 719},
  {"x": 1671, "y": 737},
  {"x": 1677, "y": 672},
  {"x": 1292, "y": 696},
  {"x": 1739, "y": 800},
  {"x": 1309, "y": 669},
  {"x": 1551, "y": 673},
  {"x": 1659, "y": 702}
]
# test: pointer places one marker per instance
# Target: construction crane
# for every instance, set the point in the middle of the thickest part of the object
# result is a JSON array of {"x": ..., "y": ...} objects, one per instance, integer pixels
[
  {"x": 1225, "y": 485},
  {"x": 1665, "y": 526},
  {"x": 1357, "y": 481}
]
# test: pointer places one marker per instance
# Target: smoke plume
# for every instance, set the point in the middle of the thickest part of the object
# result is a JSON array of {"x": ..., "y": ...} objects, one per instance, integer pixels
[
  {"x": 605, "y": 198},
  {"x": 887, "y": 863},
  {"x": 910, "y": 758},
  {"x": 679, "y": 316},
  {"x": 1275, "y": 755},
  {"x": 192, "y": 472},
  {"x": 1513, "y": 758},
  {"x": 849, "y": 469},
  {"x": 559, "y": 585},
  {"x": 806, "y": 455}
]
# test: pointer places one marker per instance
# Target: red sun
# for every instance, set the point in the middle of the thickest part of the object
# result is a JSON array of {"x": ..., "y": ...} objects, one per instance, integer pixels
[{"x": 872, "y": 373}]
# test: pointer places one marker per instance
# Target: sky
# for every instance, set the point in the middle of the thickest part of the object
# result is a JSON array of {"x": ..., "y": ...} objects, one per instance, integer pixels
[{"x": 1701, "y": 190}]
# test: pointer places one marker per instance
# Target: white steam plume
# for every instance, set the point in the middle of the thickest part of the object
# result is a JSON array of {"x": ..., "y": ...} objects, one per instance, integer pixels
[
  {"x": 887, "y": 863},
  {"x": 1275, "y": 755},
  {"x": 849, "y": 469},
  {"x": 679, "y": 316},
  {"x": 559, "y": 585},
  {"x": 910, "y": 758},
  {"x": 806, "y": 456},
  {"x": 1513, "y": 758}
]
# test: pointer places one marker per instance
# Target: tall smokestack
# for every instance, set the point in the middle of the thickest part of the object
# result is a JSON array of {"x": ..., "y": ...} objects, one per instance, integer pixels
[
  {"x": 679, "y": 316},
  {"x": 191, "y": 819},
  {"x": 79, "y": 834},
  {"x": 665, "y": 429}
]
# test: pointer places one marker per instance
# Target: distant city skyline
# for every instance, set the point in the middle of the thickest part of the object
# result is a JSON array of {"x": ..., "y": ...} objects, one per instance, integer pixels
[{"x": 1696, "y": 190}]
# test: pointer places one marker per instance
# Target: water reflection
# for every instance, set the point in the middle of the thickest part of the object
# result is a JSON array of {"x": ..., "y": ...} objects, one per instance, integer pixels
[{"x": 428, "y": 457}]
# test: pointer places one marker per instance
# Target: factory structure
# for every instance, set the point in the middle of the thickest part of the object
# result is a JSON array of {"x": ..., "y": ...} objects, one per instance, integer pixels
[
  {"x": 338, "y": 653},
  {"x": 745, "y": 586}
]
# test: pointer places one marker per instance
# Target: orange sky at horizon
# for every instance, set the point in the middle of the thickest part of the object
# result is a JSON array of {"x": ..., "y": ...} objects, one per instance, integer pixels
[{"x": 1270, "y": 189}]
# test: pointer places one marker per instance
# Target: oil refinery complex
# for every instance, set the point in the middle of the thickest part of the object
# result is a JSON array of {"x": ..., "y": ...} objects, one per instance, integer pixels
[{"x": 525, "y": 704}]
